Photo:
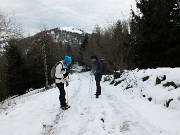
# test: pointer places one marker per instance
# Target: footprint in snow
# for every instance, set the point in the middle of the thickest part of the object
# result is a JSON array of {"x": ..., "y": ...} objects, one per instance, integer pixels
[{"x": 125, "y": 126}]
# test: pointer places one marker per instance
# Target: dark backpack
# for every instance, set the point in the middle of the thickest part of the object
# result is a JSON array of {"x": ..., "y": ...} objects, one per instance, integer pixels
[
  {"x": 104, "y": 66},
  {"x": 53, "y": 70}
]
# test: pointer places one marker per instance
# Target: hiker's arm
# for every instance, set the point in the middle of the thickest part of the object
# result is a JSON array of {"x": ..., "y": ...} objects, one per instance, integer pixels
[
  {"x": 99, "y": 68},
  {"x": 66, "y": 74}
]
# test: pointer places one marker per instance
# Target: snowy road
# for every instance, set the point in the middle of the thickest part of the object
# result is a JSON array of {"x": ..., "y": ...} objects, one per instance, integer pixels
[
  {"x": 106, "y": 115},
  {"x": 115, "y": 112}
]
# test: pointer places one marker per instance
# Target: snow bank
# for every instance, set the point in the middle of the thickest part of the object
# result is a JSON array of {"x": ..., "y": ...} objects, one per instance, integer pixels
[{"x": 160, "y": 86}]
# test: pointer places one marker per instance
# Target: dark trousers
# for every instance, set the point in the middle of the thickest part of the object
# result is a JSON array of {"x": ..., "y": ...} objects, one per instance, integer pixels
[
  {"x": 62, "y": 98},
  {"x": 98, "y": 80}
]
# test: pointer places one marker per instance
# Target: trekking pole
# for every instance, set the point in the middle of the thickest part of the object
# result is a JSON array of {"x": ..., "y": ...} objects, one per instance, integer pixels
[
  {"x": 67, "y": 95},
  {"x": 91, "y": 84},
  {"x": 67, "y": 84}
]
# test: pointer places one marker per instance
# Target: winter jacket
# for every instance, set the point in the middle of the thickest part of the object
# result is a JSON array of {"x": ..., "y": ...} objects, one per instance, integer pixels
[
  {"x": 59, "y": 74},
  {"x": 97, "y": 67}
]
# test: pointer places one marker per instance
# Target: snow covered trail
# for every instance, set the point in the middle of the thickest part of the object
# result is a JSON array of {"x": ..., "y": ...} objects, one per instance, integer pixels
[
  {"x": 116, "y": 112},
  {"x": 110, "y": 114},
  {"x": 34, "y": 114}
]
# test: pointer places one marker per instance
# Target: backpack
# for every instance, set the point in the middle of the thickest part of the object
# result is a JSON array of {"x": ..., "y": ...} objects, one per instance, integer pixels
[
  {"x": 53, "y": 70},
  {"x": 104, "y": 66}
]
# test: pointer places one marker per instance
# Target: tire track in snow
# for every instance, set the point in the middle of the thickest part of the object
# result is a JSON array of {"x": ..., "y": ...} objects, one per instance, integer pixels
[
  {"x": 48, "y": 129},
  {"x": 112, "y": 116},
  {"x": 81, "y": 119},
  {"x": 94, "y": 113},
  {"x": 79, "y": 109},
  {"x": 131, "y": 119},
  {"x": 106, "y": 119}
]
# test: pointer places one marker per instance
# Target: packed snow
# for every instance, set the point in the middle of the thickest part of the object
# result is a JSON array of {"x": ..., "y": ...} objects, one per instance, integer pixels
[{"x": 120, "y": 110}]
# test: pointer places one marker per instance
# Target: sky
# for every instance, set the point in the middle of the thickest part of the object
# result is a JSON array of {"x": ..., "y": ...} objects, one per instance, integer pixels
[{"x": 81, "y": 14}]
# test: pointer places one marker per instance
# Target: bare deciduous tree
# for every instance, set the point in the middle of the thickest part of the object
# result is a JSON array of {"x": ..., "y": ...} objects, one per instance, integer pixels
[
  {"x": 43, "y": 42},
  {"x": 9, "y": 28}
]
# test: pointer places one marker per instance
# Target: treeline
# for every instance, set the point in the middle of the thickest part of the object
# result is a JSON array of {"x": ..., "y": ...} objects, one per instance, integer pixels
[
  {"x": 26, "y": 63},
  {"x": 150, "y": 39},
  {"x": 112, "y": 44},
  {"x": 155, "y": 32}
]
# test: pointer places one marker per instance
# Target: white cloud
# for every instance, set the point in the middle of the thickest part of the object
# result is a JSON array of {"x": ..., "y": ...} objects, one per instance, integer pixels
[{"x": 83, "y": 14}]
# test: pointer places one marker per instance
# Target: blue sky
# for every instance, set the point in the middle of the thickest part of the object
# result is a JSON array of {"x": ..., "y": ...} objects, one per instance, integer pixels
[{"x": 82, "y": 14}]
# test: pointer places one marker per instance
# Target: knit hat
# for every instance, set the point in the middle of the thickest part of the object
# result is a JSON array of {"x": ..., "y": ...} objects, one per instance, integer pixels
[{"x": 68, "y": 59}]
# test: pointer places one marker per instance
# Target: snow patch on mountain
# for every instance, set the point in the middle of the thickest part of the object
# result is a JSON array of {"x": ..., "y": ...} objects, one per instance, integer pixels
[
  {"x": 71, "y": 29},
  {"x": 67, "y": 35}
]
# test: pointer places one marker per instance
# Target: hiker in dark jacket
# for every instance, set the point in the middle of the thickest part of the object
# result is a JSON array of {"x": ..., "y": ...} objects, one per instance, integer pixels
[
  {"x": 61, "y": 75},
  {"x": 97, "y": 71}
]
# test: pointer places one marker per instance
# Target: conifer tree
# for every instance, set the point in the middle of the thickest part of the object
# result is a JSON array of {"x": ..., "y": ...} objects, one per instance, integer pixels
[
  {"x": 16, "y": 74},
  {"x": 155, "y": 33},
  {"x": 82, "y": 50}
]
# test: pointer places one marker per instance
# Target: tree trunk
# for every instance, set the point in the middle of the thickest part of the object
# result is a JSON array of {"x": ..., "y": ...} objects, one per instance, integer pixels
[{"x": 45, "y": 65}]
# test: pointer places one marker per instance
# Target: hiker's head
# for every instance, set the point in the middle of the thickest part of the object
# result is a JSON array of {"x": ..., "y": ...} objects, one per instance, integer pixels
[
  {"x": 94, "y": 58},
  {"x": 67, "y": 60}
]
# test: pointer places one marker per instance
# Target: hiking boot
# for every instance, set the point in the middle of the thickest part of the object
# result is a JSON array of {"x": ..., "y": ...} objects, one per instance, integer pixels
[
  {"x": 97, "y": 95},
  {"x": 65, "y": 107}
]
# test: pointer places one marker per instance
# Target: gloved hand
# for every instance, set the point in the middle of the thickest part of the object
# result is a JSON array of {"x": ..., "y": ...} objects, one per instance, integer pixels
[
  {"x": 66, "y": 74},
  {"x": 67, "y": 81},
  {"x": 91, "y": 73}
]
